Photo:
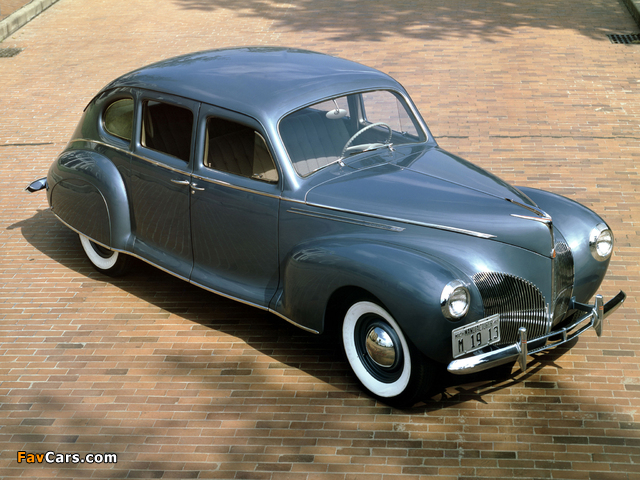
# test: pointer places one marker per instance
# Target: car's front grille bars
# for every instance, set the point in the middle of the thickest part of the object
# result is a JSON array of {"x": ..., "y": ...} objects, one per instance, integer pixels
[
  {"x": 562, "y": 279},
  {"x": 519, "y": 303}
]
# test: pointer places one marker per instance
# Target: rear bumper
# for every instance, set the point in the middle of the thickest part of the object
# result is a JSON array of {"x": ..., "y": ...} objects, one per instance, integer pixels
[
  {"x": 593, "y": 318},
  {"x": 37, "y": 185}
]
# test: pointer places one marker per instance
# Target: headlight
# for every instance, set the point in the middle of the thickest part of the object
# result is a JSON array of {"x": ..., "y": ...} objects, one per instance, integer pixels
[
  {"x": 454, "y": 300},
  {"x": 601, "y": 242}
]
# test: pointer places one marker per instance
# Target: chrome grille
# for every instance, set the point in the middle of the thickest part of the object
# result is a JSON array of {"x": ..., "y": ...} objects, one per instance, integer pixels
[
  {"x": 562, "y": 279},
  {"x": 519, "y": 303}
]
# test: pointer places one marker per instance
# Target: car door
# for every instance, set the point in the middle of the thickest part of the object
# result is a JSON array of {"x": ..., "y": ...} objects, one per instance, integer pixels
[
  {"x": 160, "y": 181},
  {"x": 234, "y": 208}
]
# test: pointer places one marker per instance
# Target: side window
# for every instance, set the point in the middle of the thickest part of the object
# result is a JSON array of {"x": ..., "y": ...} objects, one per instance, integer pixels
[
  {"x": 118, "y": 118},
  {"x": 167, "y": 128},
  {"x": 234, "y": 148}
]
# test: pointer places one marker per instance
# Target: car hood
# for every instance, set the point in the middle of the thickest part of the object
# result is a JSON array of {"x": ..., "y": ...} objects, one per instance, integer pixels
[
  {"x": 438, "y": 163},
  {"x": 435, "y": 189}
]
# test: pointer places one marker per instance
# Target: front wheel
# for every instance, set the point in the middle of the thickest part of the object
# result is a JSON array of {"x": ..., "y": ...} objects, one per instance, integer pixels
[
  {"x": 106, "y": 261},
  {"x": 384, "y": 361}
]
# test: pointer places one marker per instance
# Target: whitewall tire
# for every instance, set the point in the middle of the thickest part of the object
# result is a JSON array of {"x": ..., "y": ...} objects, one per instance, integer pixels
[
  {"x": 382, "y": 359},
  {"x": 104, "y": 260}
]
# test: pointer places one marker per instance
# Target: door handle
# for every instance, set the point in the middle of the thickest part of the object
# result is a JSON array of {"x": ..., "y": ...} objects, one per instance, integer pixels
[
  {"x": 180, "y": 182},
  {"x": 196, "y": 187}
]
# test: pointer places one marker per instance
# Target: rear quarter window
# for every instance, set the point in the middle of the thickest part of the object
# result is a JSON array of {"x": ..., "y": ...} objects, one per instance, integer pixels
[{"x": 118, "y": 119}]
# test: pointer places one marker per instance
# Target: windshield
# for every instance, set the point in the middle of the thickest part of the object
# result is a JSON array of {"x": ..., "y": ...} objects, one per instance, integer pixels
[{"x": 321, "y": 134}]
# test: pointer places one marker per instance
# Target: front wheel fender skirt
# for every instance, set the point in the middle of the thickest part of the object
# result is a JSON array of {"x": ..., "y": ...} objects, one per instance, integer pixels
[{"x": 407, "y": 283}]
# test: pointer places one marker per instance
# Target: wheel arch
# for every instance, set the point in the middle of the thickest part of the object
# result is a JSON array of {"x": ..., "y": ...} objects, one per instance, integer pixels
[
  {"x": 339, "y": 302},
  {"x": 322, "y": 277}
]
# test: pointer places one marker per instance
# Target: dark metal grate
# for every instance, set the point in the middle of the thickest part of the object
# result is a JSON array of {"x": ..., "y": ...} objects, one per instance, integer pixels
[
  {"x": 624, "y": 39},
  {"x": 9, "y": 52},
  {"x": 563, "y": 278}
]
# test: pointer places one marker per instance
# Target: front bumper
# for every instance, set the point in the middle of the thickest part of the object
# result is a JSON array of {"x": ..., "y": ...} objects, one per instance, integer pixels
[{"x": 593, "y": 317}]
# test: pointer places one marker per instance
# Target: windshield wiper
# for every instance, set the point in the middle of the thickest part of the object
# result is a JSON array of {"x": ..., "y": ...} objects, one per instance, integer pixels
[{"x": 366, "y": 147}]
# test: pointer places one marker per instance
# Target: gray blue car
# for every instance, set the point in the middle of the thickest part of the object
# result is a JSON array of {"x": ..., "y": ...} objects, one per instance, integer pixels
[{"x": 309, "y": 186}]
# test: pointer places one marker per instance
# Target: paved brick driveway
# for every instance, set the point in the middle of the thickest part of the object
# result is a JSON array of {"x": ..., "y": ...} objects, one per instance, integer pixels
[{"x": 181, "y": 383}]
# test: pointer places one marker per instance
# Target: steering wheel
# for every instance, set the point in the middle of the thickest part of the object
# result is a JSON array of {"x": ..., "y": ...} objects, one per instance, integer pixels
[{"x": 366, "y": 146}]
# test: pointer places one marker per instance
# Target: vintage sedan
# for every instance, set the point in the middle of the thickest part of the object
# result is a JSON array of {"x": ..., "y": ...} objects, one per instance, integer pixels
[{"x": 310, "y": 186}]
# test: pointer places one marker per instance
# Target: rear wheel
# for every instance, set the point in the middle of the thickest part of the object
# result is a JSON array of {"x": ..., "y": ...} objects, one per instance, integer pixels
[
  {"x": 106, "y": 261},
  {"x": 385, "y": 362}
]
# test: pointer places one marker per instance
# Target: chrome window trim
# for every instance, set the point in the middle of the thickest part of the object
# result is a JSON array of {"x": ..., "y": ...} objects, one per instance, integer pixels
[
  {"x": 159, "y": 164},
  {"x": 235, "y": 187},
  {"x": 162, "y": 165},
  {"x": 129, "y": 152}
]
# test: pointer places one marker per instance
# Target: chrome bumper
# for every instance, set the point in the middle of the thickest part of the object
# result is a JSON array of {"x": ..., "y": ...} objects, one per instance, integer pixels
[
  {"x": 37, "y": 185},
  {"x": 594, "y": 315}
]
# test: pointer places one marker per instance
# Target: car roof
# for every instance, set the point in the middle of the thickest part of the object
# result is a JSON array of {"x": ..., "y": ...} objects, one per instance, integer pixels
[{"x": 263, "y": 82}]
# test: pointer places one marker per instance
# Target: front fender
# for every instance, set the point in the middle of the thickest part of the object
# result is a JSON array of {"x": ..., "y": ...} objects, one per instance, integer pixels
[
  {"x": 88, "y": 193},
  {"x": 408, "y": 283},
  {"x": 575, "y": 222}
]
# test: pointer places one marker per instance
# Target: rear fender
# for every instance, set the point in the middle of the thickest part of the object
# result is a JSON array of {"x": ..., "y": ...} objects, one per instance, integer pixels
[
  {"x": 406, "y": 282},
  {"x": 87, "y": 192}
]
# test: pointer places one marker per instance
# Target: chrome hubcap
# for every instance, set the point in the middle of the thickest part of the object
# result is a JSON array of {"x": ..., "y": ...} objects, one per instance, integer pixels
[{"x": 380, "y": 347}]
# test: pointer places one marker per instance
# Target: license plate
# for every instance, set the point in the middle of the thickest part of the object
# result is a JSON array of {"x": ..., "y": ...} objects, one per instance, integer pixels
[{"x": 474, "y": 336}]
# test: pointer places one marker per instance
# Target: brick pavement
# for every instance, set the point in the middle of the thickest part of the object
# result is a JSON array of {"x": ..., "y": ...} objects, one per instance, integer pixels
[{"x": 184, "y": 384}]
